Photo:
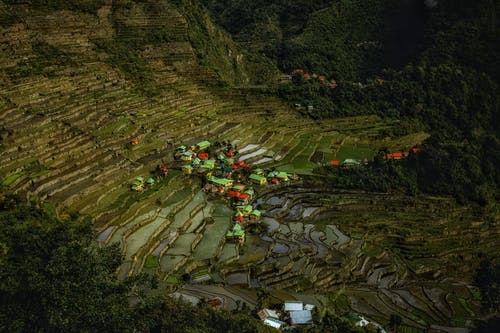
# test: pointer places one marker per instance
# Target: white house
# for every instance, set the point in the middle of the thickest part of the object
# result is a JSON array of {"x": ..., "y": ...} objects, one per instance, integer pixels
[
  {"x": 274, "y": 323},
  {"x": 294, "y": 306}
]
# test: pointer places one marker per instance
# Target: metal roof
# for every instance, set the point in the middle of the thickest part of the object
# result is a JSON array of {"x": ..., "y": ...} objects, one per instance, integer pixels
[
  {"x": 273, "y": 322},
  {"x": 300, "y": 317},
  {"x": 294, "y": 306}
]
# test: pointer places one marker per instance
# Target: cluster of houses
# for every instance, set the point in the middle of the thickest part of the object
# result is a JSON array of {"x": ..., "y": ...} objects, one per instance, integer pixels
[
  {"x": 294, "y": 313},
  {"x": 401, "y": 154},
  {"x": 307, "y": 76},
  {"x": 361, "y": 321},
  {"x": 349, "y": 162},
  {"x": 139, "y": 184},
  {"x": 225, "y": 175}
]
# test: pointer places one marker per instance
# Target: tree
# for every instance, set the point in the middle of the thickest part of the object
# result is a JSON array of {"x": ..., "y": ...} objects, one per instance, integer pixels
[
  {"x": 54, "y": 277},
  {"x": 487, "y": 280}
]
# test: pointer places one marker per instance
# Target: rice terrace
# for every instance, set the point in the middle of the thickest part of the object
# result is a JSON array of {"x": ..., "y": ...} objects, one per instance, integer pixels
[{"x": 229, "y": 192}]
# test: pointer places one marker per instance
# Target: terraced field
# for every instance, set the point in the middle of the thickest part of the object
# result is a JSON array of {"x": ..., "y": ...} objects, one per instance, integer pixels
[
  {"x": 66, "y": 132},
  {"x": 388, "y": 254}
]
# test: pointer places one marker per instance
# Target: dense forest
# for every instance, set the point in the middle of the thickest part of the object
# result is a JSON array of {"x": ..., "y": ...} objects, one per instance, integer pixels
[{"x": 434, "y": 65}]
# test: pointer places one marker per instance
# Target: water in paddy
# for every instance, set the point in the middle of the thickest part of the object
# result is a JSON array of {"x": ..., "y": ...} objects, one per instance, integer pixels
[
  {"x": 196, "y": 221},
  {"x": 255, "y": 153},
  {"x": 296, "y": 227},
  {"x": 237, "y": 278},
  {"x": 117, "y": 236},
  {"x": 280, "y": 248},
  {"x": 105, "y": 234},
  {"x": 248, "y": 148},
  {"x": 275, "y": 201},
  {"x": 213, "y": 235},
  {"x": 308, "y": 211},
  {"x": 168, "y": 263},
  {"x": 341, "y": 238},
  {"x": 229, "y": 251},
  {"x": 272, "y": 224},
  {"x": 295, "y": 212},
  {"x": 164, "y": 243},
  {"x": 283, "y": 261},
  {"x": 263, "y": 160},
  {"x": 299, "y": 264},
  {"x": 266, "y": 238},
  {"x": 182, "y": 245},
  {"x": 184, "y": 214},
  {"x": 284, "y": 229}
]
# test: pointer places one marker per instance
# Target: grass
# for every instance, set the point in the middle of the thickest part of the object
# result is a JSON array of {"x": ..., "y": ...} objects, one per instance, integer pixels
[
  {"x": 12, "y": 178},
  {"x": 174, "y": 279},
  {"x": 40, "y": 173},
  {"x": 372, "y": 250},
  {"x": 151, "y": 261},
  {"x": 410, "y": 329},
  {"x": 357, "y": 151},
  {"x": 200, "y": 273}
]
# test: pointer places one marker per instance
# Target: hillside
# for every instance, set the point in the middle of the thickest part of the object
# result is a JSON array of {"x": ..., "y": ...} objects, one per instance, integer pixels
[{"x": 97, "y": 93}]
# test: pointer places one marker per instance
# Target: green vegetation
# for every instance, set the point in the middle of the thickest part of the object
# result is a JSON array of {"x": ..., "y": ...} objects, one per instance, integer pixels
[
  {"x": 215, "y": 49},
  {"x": 87, "y": 6},
  {"x": 487, "y": 280},
  {"x": 55, "y": 278},
  {"x": 12, "y": 178},
  {"x": 151, "y": 261},
  {"x": 46, "y": 60},
  {"x": 7, "y": 16},
  {"x": 425, "y": 78},
  {"x": 75, "y": 111}
]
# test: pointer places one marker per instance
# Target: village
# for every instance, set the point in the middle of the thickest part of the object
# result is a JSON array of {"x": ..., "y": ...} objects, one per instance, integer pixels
[{"x": 224, "y": 176}]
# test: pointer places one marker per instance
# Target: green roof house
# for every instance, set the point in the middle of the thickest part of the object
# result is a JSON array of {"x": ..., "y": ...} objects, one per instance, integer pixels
[
  {"x": 257, "y": 179},
  {"x": 236, "y": 233},
  {"x": 239, "y": 187},
  {"x": 256, "y": 213},
  {"x": 221, "y": 181},
  {"x": 203, "y": 145},
  {"x": 187, "y": 156},
  {"x": 258, "y": 171},
  {"x": 247, "y": 209},
  {"x": 250, "y": 192},
  {"x": 187, "y": 169}
]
